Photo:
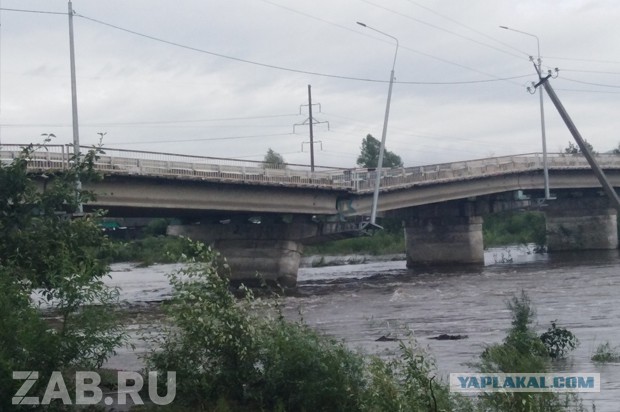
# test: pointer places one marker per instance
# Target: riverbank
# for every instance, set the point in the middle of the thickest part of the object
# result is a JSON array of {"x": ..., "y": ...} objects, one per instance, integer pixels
[{"x": 501, "y": 229}]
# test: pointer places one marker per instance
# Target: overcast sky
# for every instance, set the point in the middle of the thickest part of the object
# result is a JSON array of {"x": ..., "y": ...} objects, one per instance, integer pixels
[{"x": 460, "y": 90}]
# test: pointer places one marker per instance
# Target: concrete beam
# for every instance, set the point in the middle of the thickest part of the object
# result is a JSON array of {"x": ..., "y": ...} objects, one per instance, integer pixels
[{"x": 182, "y": 195}]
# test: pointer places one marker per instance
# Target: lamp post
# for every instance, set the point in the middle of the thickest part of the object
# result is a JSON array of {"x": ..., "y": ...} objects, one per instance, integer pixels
[
  {"x": 375, "y": 197},
  {"x": 542, "y": 113},
  {"x": 74, "y": 109}
]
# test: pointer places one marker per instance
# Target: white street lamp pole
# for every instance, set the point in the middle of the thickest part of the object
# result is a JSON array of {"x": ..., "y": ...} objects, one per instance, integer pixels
[
  {"x": 542, "y": 113},
  {"x": 375, "y": 197}
]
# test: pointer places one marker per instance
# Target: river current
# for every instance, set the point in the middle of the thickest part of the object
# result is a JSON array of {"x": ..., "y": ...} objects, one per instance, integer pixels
[{"x": 361, "y": 303}]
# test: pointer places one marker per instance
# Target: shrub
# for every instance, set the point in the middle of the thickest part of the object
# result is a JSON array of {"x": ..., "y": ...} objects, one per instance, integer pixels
[
  {"x": 606, "y": 353},
  {"x": 234, "y": 354},
  {"x": 558, "y": 341},
  {"x": 522, "y": 352},
  {"x": 47, "y": 252}
]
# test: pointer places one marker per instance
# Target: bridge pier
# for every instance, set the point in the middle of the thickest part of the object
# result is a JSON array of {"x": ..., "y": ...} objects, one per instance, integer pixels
[
  {"x": 276, "y": 261},
  {"x": 264, "y": 248},
  {"x": 584, "y": 223},
  {"x": 444, "y": 234}
]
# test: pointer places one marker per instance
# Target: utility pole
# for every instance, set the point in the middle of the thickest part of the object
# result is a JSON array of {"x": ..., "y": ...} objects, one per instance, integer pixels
[
  {"x": 311, "y": 129},
  {"x": 310, "y": 121},
  {"x": 74, "y": 110},
  {"x": 600, "y": 174}
]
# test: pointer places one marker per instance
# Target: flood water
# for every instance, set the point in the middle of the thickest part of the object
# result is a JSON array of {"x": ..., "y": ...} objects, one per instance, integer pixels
[{"x": 360, "y": 303}]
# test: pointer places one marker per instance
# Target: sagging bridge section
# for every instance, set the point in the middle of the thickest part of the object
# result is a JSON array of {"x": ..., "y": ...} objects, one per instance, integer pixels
[{"x": 259, "y": 216}]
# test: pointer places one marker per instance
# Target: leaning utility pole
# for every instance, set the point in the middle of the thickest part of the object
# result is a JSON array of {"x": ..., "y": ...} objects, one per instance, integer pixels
[
  {"x": 74, "y": 110},
  {"x": 607, "y": 186}
]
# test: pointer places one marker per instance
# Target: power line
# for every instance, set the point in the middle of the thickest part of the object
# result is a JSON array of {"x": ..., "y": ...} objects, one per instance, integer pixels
[
  {"x": 591, "y": 83},
  {"x": 495, "y": 78},
  {"x": 203, "y": 139},
  {"x": 589, "y": 71},
  {"x": 585, "y": 60},
  {"x": 33, "y": 11},
  {"x": 288, "y": 69},
  {"x": 467, "y": 27},
  {"x": 442, "y": 29}
]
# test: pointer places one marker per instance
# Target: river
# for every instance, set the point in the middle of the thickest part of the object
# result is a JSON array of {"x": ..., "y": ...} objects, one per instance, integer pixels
[{"x": 360, "y": 303}]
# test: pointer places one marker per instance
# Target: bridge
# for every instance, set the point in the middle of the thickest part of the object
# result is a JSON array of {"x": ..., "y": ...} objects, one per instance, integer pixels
[{"x": 259, "y": 215}]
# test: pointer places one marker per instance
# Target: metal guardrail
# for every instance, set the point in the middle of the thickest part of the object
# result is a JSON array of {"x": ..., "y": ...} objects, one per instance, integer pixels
[{"x": 143, "y": 163}]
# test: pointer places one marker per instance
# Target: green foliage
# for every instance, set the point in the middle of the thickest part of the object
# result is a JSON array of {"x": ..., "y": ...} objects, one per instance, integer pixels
[
  {"x": 522, "y": 352},
  {"x": 606, "y": 353},
  {"x": 273, "y": 160},
  {"x": 379, "y": 244},
  {"x": 573, "y": 149},
  {"x": 509, "y": 228},
  {"x": 156, "y": 227},
  {"x": 47, "y": 253},
  {"x": 369, "y": 155},
  {"x": 149, "y": 250},
  {"x": 229, "y": 355},
  {"x": 408, "y": 383},
  {"x": 558, "y": 341}
]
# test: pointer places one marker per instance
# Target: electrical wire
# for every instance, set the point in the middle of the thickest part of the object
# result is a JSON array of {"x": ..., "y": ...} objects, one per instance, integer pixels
[
  {"x": 34, "y": 11},
  {"x": 207, "y": 139},
  {"x": 288, "y": 69},
  {"x": 591, "y": 83},
  {"x": 467, "y": 27},
  {"x": 442, "y": 29}
]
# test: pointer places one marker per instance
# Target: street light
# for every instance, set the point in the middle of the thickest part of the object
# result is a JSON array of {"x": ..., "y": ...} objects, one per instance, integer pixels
[
  {"x": 542, "y": 113},
  {"x": 375, "y": 197}
]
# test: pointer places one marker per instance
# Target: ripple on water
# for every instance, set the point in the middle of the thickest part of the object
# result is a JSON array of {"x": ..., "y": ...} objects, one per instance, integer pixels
[{"x": 359, "y": 303}]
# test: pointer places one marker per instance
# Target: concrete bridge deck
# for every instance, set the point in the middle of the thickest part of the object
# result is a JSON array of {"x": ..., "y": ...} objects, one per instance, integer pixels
[
  {"x": 360, "y": 181},
  {"x": 441, "y": 206}
]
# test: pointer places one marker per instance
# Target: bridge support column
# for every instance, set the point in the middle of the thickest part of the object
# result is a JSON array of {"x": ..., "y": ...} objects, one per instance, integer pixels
[
  {"x": 581, "y": 224},
  {"x": 276, "y": 262},
  {"x": 450, "y": 240},
  {"x": 268, "y": 245}
]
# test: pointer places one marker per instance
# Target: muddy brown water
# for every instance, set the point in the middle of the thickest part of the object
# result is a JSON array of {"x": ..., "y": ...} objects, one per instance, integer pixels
[{"x": 360, "y": 303}]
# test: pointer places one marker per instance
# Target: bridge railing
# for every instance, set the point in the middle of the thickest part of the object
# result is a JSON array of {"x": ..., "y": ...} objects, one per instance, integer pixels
[
  {"x": 132, "y": 162},
  {"x": 418, "y": 175}
]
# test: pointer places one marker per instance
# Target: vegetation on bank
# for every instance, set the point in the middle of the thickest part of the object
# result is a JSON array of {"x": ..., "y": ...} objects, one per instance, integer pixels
[
  {"x": 512, "y": 228},
  {"x": 244, "y": 355},
  {"x": 229, "y": 354},
  {"x": 501, "y": 229},
  {"x": 46, "y": 253}
]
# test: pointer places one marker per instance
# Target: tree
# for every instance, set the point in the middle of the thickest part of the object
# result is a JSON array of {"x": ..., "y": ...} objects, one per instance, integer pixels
[
  {"x": 48, "y": 253},
  {"x": 273, "y": 160},
  {"x": 616, "y": 151},
  {"x": 573, "y": 149},
  {"x": 369, "y": 156}
]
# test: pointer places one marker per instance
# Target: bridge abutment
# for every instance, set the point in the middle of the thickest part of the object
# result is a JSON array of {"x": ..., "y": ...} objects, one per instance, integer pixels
[
  {"x": 445, "y": 234},
  {"x": 581, "y": 224}
]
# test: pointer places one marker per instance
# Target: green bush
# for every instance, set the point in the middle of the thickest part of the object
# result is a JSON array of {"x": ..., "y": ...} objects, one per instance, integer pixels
[
  {"x": 48, "y": 253},
  {"x": 243, "y": 355},
  {"x": 149, "y": 250},
  {"x": 558, "y": 341},
  {"x": 606, "y": 353},
  {"x": 522, "y": 352},
  {"x": 381, "y": 243},
  {"x": 509, "y": 228}
]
